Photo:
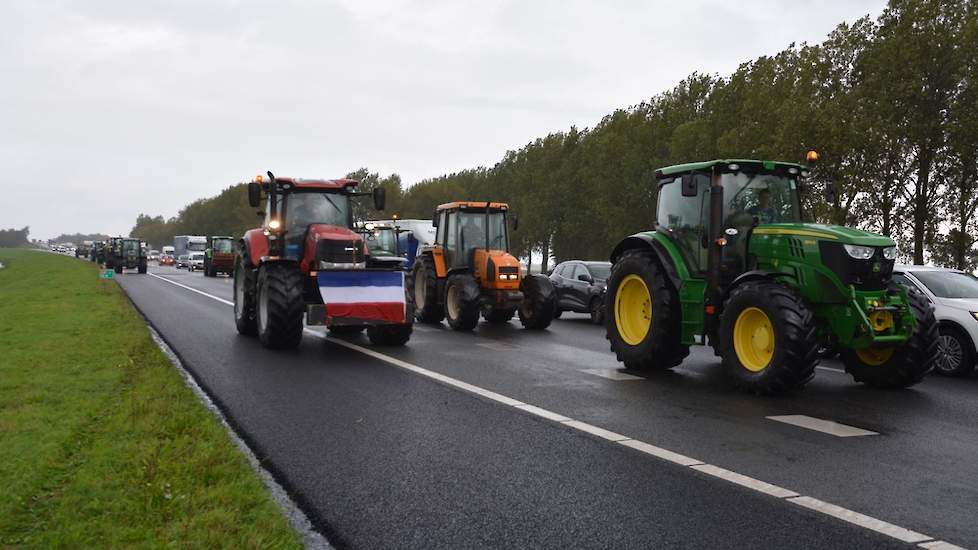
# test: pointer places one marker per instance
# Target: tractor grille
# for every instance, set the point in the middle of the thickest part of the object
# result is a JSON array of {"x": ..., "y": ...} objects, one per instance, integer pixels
[
  {"x": 340, "y": 252},
  {"x": 872, "y": 274},
  {"x": 509, "y": 269}
]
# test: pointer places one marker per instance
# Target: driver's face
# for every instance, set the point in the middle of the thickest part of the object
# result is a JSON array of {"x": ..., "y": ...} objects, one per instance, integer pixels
[{"x": 765, "y": 199}]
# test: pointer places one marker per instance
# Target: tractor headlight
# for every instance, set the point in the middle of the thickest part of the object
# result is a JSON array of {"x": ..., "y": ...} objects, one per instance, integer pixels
[
  {"x": 274, "y": 224},
  {"x": 859, "y": 252},
  {"x": 507, "y": 277},
  {"x": 975, "y": 315},
  {"x": 890, "y": 252}
]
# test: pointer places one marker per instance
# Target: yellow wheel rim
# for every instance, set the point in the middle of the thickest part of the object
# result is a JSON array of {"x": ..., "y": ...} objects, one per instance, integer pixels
[
  {"x": 633, "y": 310},
  {"x": 874, "y": 356},
  {"x": 753, "y": 339}
]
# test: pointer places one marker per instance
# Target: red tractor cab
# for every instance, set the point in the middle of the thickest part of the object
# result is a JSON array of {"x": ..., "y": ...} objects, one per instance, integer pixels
[{"x": 308, "y": 262}]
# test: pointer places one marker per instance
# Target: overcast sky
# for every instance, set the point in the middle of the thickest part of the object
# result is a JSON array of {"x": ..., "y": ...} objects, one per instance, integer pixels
[{"x": 109, "y": 109}]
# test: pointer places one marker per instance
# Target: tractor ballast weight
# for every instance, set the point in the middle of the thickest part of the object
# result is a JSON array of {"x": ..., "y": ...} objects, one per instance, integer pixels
[
  {"x": 731, "y": 264},
  {"x": 306, "y": 261},
  {"x": 469, "y": 271}
]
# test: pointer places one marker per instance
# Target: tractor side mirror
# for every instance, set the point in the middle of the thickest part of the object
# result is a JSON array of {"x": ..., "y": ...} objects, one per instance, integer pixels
[
  {"x": 829, "y": 191},
  {"x": 380, "y": 198},
  {"x": 584, "y": 277},
  {"x": 688, "y": 182},
  {"x": 516, "y": 223},
  {"x": 254, "y": 194},
  {"x": 434, "y": 218}
]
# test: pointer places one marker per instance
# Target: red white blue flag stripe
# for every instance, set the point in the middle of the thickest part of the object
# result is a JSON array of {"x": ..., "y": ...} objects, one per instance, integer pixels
[{"x": 367, "y": 295}]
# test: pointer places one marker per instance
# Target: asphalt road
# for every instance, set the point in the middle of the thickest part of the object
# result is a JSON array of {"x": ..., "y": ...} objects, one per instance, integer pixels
[{"x": 383, "y": 457}]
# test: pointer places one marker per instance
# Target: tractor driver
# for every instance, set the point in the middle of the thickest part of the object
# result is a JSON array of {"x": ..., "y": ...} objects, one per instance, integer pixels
[
  {"x": 472, "y": 234},
  {"x": 763, "y": 211}
]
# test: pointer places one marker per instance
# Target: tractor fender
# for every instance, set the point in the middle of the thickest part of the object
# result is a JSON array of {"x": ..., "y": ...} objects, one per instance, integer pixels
[
  {"x": 643, "y": 241},
  {"x": 253, "y": 246},
  {"x": 754, "y": 275}
]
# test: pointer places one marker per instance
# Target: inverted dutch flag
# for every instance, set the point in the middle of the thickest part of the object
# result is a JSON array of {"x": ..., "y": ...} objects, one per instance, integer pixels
[{"x": 367, "y": 295}]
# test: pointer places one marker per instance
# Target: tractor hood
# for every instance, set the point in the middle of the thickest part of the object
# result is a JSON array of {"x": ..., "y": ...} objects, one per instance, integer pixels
[
  {"x": 835, "y": 233},
  {"x": 332, "y": 245}
]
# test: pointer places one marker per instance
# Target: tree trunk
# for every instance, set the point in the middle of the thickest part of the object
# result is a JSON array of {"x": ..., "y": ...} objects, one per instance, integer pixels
[
  {"x": 920, "y": 213},
  {"x": 546, "y": 257}
]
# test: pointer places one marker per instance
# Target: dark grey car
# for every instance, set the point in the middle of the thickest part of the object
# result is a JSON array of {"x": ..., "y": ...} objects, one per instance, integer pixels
[{"x": 580, "y": 287}]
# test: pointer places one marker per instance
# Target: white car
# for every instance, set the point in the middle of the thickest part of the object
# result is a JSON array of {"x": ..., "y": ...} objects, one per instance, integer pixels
[
  {"x": 954, "y": 295},
  {"x": 196, "y": 261}
]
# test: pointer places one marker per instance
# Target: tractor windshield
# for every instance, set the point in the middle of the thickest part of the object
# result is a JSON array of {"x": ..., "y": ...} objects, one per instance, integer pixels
[
  {"x": 759, "y": 198},
  {"x": 478, "y": 230},
  {"x": 305, "y": 209},
  {"x": 222, "y": 245},
  {"x": 381, "y": 241},
  {"x": 130, "y": 247}
]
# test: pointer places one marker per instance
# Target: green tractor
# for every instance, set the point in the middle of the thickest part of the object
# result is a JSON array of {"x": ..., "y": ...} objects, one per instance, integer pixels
[{"x": 731, "y": 264}]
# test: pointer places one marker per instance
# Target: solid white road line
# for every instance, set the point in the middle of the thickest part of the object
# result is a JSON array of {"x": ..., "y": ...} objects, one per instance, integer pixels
[
  {"x": 880, "y": 526},
  {"x": 820, "y": 425},
  {"x": 787, "y": 495},
  {"x": 830, "y": 369},
  {"x": 749, "y": 482},
  {"x": 191, "y": 289},
  {"x": 612, "y": 374}
]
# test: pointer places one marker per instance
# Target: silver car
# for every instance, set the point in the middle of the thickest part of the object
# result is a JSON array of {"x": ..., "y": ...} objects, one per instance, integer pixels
[
  {"x": 954, "y": 295},
  {"x": 196, "y": 261}
]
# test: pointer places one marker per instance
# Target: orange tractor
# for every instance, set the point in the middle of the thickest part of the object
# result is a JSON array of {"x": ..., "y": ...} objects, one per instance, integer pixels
[{"x": 469, "y": 271}]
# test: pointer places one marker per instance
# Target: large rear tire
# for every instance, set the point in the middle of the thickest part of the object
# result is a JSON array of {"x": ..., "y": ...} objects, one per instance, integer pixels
[
  {"x": 279, "y": 305},
  {"x": 904, "y": 366},
  {"x": 498, "y": 316},
  {"x": 425, "y": 291},
  {"x": 462, "y": 302},
  {"x": 643, "y": 319},
  {"x": 142, "y": 268},
  {"x": 767, "y": 338},
  {"x": 539, "y": 302},
  {"x": 389, "y": 335},
  {"x": 244, "y": 298}
]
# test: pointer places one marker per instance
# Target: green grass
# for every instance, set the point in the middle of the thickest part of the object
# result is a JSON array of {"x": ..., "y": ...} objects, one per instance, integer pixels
[{"x": 101, "y": 442}]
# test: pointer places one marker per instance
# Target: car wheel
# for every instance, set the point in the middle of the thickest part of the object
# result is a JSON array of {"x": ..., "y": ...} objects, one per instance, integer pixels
[{"x": 956, "y": 357}]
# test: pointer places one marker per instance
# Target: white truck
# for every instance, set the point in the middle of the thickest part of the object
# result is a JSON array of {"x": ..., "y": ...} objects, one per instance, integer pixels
[{"x": 185, "y": 244}]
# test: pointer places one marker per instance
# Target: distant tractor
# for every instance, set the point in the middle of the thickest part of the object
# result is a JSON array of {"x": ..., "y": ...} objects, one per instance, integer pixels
[
  {"x": 307, "y": 260},
  {"x": 111, "y": 252},
  {"x": 730, "y": 261},
  {"x": 219, "y": 256},
  {"x": 130, "y": 254},
  {"x": 469, "y": 271}
]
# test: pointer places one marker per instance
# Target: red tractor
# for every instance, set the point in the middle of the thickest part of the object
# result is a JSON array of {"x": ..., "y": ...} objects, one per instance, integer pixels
[{"x": 307, "y": 261}]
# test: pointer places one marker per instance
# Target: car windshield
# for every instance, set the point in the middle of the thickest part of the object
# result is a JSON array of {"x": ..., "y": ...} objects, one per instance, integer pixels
[
  {"x": 222, "y": 245},
  {"x": 949, "y": 284},
  {"x": 381, "y": 242},
  {"x": 767, "y": 198},
  {"x": 600, "y": 270},
  {"x": 304, "y": 209}
]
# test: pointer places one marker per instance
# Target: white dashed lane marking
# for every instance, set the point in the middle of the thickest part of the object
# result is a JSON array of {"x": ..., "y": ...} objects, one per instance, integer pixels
[
  {"x": 612, "y": 374},
  {"x": 781, "y": 493},
  {"x": 820, "y": 425}
]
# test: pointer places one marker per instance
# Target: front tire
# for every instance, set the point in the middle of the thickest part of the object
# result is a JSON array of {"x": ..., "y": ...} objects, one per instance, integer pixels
[
  {"x": 244, "y": 299},
  {"x": 767, "y": 338},
  {"x": 906, "y": 365},
  {"x": 956, "y": 356},
  {"x": 539, "y": 302},
  {"x": 597, "y": 311},
  {"x": 279, "y": 305},
  {"x": 462, "y": 302},
  {"x": 389, "y": 335},
  {"x": 643, "y": 321},
  {"x": 425, "y": 291}
]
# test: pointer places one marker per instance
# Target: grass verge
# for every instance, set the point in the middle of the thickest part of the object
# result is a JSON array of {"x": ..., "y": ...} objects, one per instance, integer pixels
[{"x": 101, "y": 442}]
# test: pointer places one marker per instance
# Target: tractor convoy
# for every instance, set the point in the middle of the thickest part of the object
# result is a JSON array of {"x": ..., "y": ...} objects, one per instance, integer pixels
[{"x": 730, "y": 263}]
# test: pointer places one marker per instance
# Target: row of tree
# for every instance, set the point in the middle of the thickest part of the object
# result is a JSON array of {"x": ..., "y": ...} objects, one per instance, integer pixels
[
  {"x": 14, "y": 238},
  {"x": 891, "y": 103}
]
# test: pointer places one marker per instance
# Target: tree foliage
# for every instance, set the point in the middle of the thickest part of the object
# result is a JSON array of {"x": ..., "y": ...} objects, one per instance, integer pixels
[
  {"x": 14, "y": 238},
  {"x": 891, "y": 103}
]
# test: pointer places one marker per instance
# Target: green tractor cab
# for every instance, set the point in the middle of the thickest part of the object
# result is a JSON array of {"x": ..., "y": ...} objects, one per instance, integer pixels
[{"x": 731, "y": 264}]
